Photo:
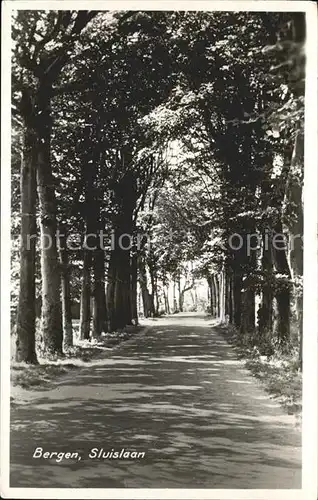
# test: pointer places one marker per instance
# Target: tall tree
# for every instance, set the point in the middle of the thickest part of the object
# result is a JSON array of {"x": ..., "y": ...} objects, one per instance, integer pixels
[{"x": 40, "y": 65}]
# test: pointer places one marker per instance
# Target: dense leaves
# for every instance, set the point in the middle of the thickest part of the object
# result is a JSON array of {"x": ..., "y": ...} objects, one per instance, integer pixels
[{"x": 185, "y": 127}]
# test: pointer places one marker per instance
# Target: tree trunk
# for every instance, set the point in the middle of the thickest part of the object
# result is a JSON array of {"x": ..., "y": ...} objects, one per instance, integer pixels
[
  {"x": 121, "y": 295},
  {"x": 66, "y": 291},
  {"x": 180, "y": 295},
  {"x": 147, "y": 300},
  {"x": 231, "y": 300},
  {"x": 227, "y": 292},
  {"x": 99, "y": 311},
  {"x": 122, "y": 290},
  {"x": 152, "y": 278},
  {"x": 175, "y": 304},
  {"x": 222, "y": 296},
  {"x": 133, "y": 287},
  {"x": 51, "y": 324},
  {"x": 217, "y": 295},
  {"x": 293, "y": 198},
  {"x": 146, "y": 296},
  {"x": 283, "y": 311},
  {"x": 125, "y": 198},
  {"x": 156, "y": 296},
  {"x": 237, "y": 296},
  {"x": 166, "y": 299},
  {"x": 104, "y": 310},
  {"x": 248, "y": 310},
  {"x": 25, "y": 343},
  {"x": 154, "y": 291},
  {"x": 196, "y": 299},
  {"x": 139, "y": 302},
  {"x": 265, "y": 324},
  {"x": 85, "y": 307},
  {"x": 110, "y": 294},
  {"x": 210, "y": 295},
  {"x": 214, "y": 297},
  {"x": 282, "y": 295},
  {"x": 89, "y": 306}
]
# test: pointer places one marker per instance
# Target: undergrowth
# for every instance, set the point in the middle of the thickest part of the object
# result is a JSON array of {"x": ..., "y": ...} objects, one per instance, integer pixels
[
  {"x": 82, "y": 353},
  {"x": 277, "y": 367}
]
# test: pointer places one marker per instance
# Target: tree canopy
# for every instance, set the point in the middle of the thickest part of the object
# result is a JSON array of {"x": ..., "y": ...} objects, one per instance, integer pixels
[{"x": 186, "y": 127}]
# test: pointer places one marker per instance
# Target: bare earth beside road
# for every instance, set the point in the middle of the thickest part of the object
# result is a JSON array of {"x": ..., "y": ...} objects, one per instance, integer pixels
[{"x": 176, "y": 392}]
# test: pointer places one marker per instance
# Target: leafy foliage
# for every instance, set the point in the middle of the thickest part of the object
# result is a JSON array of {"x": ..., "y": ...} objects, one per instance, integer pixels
[{"x": 181, "y": 125}]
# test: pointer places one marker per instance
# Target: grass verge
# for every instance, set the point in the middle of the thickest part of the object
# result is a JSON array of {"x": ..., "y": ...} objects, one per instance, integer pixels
[
  {"x": 279, "y": 373},
  {"x": 83, "y": 353}
]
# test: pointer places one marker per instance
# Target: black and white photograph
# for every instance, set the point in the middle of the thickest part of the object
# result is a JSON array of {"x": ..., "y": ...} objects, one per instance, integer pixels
[{"x": 159, "y": 251}]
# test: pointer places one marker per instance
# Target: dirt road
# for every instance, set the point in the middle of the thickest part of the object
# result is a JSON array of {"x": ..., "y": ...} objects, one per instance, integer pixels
[{"x": 176, "y": 393}]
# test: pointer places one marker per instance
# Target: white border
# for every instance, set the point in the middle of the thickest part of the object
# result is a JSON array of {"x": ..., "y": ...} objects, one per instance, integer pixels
[
  {"x": 188, "y": 5},
  {"x": 310, "y": 388},
  {"x": 309, "y": 489}
]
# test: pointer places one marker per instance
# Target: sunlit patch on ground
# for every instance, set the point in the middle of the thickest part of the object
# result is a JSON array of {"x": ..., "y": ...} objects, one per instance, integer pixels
[{"x": 188, "y": 412}]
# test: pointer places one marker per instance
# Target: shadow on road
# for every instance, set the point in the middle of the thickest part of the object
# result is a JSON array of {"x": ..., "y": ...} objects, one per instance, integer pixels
[{"x": 180, "y": 395}]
